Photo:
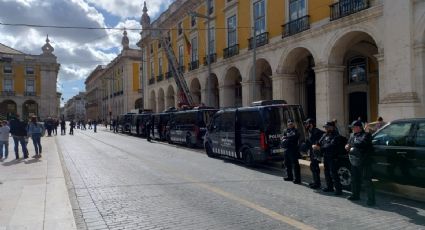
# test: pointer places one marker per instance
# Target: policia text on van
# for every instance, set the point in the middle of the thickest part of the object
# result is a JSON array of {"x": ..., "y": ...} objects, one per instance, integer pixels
[{"x": 252, "y": 134}]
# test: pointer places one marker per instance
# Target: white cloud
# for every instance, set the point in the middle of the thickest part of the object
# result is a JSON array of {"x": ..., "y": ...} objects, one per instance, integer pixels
[
  {"x": 78, "y": 51},
  {"x": 76, "y": 89}
]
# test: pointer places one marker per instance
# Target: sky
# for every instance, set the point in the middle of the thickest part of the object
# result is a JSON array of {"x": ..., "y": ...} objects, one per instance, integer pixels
[{"x": 78, "y": 51}]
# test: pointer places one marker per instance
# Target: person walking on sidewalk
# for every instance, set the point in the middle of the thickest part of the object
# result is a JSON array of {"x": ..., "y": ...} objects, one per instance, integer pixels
[
  {"x": 328, "y": 145},
  {"x": 36, "y": 131},
  {"x": 290, "y": 144},
  {"x": 63, "y": 127},
  {"x": 94, "y": 123},
  {"x": 18, "y": 129},
  {"x": 314, "y": 135},
  {"x": 4, "y": 139},
  {"x": 359, "y": 147},
  {"x": 71, "y": 127}
]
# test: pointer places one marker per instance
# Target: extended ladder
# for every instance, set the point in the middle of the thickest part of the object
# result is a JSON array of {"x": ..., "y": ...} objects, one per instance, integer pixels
[{"x": 185, "y": 98}]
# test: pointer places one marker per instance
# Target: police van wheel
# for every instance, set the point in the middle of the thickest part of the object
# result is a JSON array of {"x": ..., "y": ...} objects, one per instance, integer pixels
[
  {"x": 344, "y": 174},
  {"x": 248, "y": 158},
  {"x": 209, "y": 151}
]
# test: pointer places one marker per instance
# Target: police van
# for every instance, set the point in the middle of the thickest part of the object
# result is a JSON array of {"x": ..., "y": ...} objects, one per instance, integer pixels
[
  {"x": 138, "y": 124},
  {"x": 189, "y": 126},
  {"x": 124, "y": 122},
  {"x": 160, "y": 122},
  {"x": 252, "y": 134}
]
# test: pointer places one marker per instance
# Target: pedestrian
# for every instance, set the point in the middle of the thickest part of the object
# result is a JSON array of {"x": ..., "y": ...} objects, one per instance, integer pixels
[
  {"x": 63, "y": 127},
  {"x": 18, "y": 129},
  {"x": 94, "y": 126},
  {"x": 36, "y": 131},
  {"x": 291, "y": 154},
  {"x": 314, "y": 135},
  {"x": 329, "y": 146},
  {"x": 4, "y": 140},
  {"x": 49, "y": 126},
  {"x": 359, "y": 148},
  {"x": 115, "y": 126},
  {"x": 55, "y": 126},
  {"x": 71, "y": 127},
  {"x": 148, "y": 130}
]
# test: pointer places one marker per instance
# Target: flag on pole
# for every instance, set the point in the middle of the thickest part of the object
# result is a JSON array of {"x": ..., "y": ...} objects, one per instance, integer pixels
[{"x": 188, "y": 45}]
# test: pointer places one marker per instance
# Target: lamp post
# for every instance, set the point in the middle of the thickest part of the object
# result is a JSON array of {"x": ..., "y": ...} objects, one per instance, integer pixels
[{"x": 209, "y": 85}]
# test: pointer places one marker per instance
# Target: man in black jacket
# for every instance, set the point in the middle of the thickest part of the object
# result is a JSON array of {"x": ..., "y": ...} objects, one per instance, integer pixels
[
  {"x": 18, "y": 130},
  {"x": 359, "y": 147},
  {"x": 328, "y": 145},
  {"x": 290, "y": 143},
  {"x": 314, "y": 135}
]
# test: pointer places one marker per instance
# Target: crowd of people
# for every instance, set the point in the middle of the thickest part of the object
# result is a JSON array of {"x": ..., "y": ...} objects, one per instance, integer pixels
[{"x": 327, "y": 146}]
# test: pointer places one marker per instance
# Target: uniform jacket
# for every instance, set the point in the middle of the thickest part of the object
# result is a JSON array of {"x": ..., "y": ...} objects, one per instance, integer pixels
[
  {"x": 329, "y": 144},
  {"x": 290, "y": 139},
  {"x": 18, "y": 128},
  {"x": 362, "y": 141},
  {"x": 314, "y": 136}
]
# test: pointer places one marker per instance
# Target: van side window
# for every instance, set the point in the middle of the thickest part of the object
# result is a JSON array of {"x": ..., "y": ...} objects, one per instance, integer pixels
[
  {"x": 396, "y": 134},
  {"x": 250, "y": 120},
  {"x": 420, "y": 135},
  {"x": 227, "y": 122}
]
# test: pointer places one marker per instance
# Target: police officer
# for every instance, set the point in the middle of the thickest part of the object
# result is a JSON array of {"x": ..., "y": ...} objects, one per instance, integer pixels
[
  {"x": 359, "y": 147},
  {"x": 328, "y": 145},
  {"x": 290, "y": 144},
  {"x": 148, "y": 130},
  {"x": 314, "y": 135}
]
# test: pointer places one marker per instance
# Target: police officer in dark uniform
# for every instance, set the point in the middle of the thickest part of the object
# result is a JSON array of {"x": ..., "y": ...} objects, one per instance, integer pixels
[
  {"x": 314, "y": 135},
  {"x": 359, "y": 147},
  {"x": 148, "y": 130},
  {"x": 328, "y": 145},
  {"x": 290, "y": 144}
]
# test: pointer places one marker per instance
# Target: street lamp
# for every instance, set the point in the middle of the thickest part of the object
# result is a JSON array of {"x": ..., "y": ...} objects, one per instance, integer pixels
[{"x": 209, "y": 80}]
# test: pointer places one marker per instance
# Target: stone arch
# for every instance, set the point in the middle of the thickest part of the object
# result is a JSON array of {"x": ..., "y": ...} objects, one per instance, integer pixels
[
  {"x": 170, "y": 100},
  {"x": 356, "y": 51},
  {"x": 152, "y": 101},
  {"x": 195, "y": 90},
  {"x": 8, "y": 108},
  {"x": 232, "y": 88},
  {"x": 161, "y": 100},
  {"x": 138, "y": 104},
  {"x": 29, "y": 109},
  {"x": 262, "y": 81},
  {"x": 215, "y": 98},
  {"x": 287, "y": 58}
]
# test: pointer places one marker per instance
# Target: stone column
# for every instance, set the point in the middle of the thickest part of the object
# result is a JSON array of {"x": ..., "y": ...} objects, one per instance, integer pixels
[
  {"x": 227, "y": 95},
  {"x": 330, "y": 94},
  {"x": 284, "y": 87},
  {"x": 251, "y": 91}
]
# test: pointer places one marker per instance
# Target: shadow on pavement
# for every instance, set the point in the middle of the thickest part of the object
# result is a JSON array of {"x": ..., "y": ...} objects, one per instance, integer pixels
[
  {"x": 14, "y": 162},
  {"x": 32, "y": 161}
]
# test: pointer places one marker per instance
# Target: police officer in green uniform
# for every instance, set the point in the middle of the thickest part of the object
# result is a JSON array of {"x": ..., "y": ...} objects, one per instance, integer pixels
[{"x": 359, "y": 147}]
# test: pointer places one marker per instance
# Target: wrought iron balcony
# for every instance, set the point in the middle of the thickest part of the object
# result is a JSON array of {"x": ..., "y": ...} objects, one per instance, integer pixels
[
  {"x": 159, "y": 78},
  {"x": 347, "y": 7},
  {"x": 29, "y": 93},
  {"x": 213, "y": 58},
  {"x": 296, "y": 26},
  {"x": 8, "y": 93},
  {"x": 231, "y": 51},
  {"x": 193, "y": 65},
  {"x": 151, "y": 81},
  {"x": 168, "y": 75},
  {"x": 262, "y": 39}
]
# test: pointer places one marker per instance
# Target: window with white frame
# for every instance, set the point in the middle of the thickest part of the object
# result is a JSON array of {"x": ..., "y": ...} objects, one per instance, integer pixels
[
  {"x": 7, "y": 84},
  {"x": 193, "y": 21},
  {"x": 210, "y": 6},
  {"x": 29, "y": 70},
  {"x": 7, "y": 69},
  {"x": 260, "y": 17},
  {"x": 181, "y": 55},
  {"x": 152, "y": 70},
  {"x": 180, "y": 28},
  {"x": 30, "y": 85},
  {"x": 194, "y": 51},
  {"x": 297, "y": 9},
  {"x": 231, "y": 31},
  {"x": 212, "y": 40}
]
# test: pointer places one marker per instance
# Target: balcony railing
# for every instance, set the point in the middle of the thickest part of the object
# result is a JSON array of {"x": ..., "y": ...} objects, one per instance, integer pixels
[
  {"x": 168, "y": 75},
  {"x": 296, "y": 26},
  {"x": 193, "y": 65},
  {"x": 213, "y": 58},
  {"x": 7, "y": 93},
  {"x": 231, "y": 51},
  {"x": 262, "y": 39},
  {"x": 346, "y": 7},
  {"x": 29, "y": 93},
  {"x": 151, "y": 81},
  {"x": 159, "y": 78}
]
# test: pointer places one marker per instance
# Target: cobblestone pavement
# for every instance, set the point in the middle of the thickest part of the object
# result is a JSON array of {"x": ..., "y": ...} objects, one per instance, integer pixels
[{"x": 124, "y": 182}]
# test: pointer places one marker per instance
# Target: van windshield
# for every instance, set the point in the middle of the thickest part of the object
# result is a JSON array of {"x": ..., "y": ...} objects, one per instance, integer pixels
[{"x": 275, "y": 120}]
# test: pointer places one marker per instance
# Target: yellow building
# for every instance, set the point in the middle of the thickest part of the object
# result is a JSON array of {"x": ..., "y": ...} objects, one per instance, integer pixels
[
  {"x": 338, "y": 59},
  {"x": 28, "y": 83},
  {"x": 115, "y": 89}
]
